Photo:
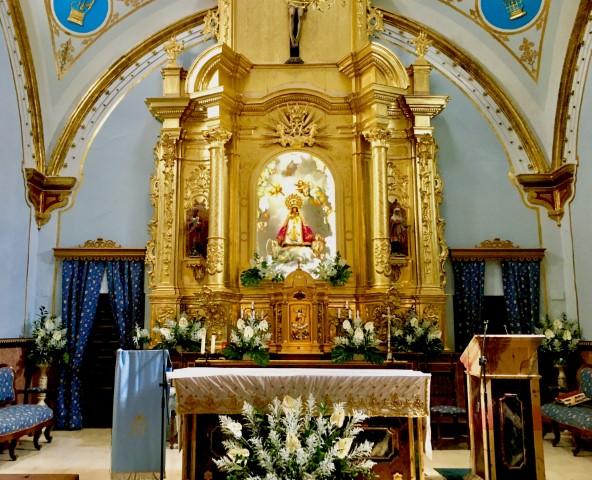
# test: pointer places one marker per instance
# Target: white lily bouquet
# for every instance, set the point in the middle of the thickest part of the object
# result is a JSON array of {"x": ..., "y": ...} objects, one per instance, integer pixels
[
  {"x": 140, "y": 337},
  {"x": 186, "y": 334},
  {"x": 50, "y": 340},
  {"x": 410, "y": 333},
  {"x": 357, "y": 338},
  {"x": 296, "y": 440},
  {"x": 249, "y": 338},
  {"x": 561, "y": 337}
]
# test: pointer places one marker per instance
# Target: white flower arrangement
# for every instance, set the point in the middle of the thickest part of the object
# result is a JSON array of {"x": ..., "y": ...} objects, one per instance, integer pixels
[
  {"x": 357, "y": 338},
  {"x": 184, "y": 334},
  {"x": 250, "y": 336},
  {"x": 334, "y": 270},
  {"x": 295, "y": 439},
  {"x": 50, "y": 336},
  {"x": 140, "y": 336},
  {"x": 261, "y": 269},
  {"x": 409, "y": 333},
  {"x": 561, "y": 337}
]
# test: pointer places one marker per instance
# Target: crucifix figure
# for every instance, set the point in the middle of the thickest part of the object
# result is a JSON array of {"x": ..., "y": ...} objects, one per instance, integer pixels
[
  {"x": 296, "y": 12},
  {"x": 389, "y": 318}
]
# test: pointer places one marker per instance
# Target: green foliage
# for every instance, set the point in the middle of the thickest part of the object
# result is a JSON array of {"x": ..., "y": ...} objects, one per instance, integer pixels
[
  {"x": 184, "y": 334},
  {"x": 260, "y": 356},
  {"x": 250, "y": 336},
  {"x": 260, "y": 270},
  {"x": 562, "y": 336}
]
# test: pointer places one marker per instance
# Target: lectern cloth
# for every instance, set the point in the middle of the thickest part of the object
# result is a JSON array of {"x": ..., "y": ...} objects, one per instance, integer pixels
[
  {"x": 385, "y": 393},
  {"x": 137, "y": 444}
]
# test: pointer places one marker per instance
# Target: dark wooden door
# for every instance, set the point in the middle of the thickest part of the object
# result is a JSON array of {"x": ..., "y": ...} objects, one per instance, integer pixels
[{"x": 98, "y": 370}]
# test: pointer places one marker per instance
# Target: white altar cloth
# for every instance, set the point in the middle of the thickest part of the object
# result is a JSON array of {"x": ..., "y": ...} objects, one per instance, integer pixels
[{"x": 380, "y": 392}]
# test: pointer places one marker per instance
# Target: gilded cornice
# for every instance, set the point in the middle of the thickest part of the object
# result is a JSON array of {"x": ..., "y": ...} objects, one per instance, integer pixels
[
  {"x": 102, "y": 87},
  {"x": 165, "y": 108},
  {"x": 525, "y": 44},
  {"x": 47, "y": 193},
  {"x": 64, "y": 53},
  {"x": 426, "y": 105},
  {"x": 551, "y": 190},
  {"x": 301, "y": 96},
  {"x": 99, "y": 249},
  {"x": 372, "y": 94},
  {"x": 522, "y": 149},
  {"x": 25, "y": 80},
  {"x": 573, "y": 81},
  {"x": 375, "y": 56},
  {"x": 497, "y": 249}
]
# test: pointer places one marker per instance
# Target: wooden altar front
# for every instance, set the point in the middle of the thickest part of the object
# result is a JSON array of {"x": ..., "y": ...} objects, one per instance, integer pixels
[{"x": 396, "y": 400}]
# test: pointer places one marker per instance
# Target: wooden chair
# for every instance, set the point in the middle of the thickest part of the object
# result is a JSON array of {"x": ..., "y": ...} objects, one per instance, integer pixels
[{"x": 447, "y": 399}]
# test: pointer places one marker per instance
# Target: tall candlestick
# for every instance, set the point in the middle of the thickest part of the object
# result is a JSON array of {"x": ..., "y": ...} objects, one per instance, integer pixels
[
  {"x": 213, "y": 344},
  {"x": 203, "y": 345}
]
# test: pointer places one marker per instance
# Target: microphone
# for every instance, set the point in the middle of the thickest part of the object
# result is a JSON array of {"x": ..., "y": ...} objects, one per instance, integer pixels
[
  {"x": 506, "y": 329},
  {"x": 482, "y": 359}
]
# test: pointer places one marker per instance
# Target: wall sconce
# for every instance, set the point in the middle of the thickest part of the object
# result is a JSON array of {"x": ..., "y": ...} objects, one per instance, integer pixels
[{"x": 515, "y": 8}]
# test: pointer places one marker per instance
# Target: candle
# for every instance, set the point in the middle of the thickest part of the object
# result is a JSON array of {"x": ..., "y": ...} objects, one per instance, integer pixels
[
  {"x": 346, "y": 304},
  {"x": 349, "y": 314},
  {"x": 242, "y": 311},
  {"x": 253, "y": 306},
  {"x": 203, "y": 345},
  {"x": 213, "y": 344},
  {"x": 338, "y": 313},
  {"x": 388, "y": 326}
]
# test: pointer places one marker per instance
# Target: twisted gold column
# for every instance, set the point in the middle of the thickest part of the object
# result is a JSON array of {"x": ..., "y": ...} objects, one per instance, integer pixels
[
  {"x": 379, "y": 227},
  {"x": 216, "y": 253}
]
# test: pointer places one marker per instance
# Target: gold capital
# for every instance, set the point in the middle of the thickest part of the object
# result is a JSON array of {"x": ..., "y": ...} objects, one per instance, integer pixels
[
  {"x": 378, "y": 136},
  {"x": 217, "y": 136}
]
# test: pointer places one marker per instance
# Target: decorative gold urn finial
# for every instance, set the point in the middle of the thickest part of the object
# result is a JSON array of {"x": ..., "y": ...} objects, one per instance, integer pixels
[
  {"x": 173, "y": 48},
  {"x": 422, "y": 43}
]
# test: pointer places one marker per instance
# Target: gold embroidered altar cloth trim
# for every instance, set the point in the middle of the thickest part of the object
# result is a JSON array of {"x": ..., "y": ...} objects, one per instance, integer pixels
[{"x": 384, "y": 393}]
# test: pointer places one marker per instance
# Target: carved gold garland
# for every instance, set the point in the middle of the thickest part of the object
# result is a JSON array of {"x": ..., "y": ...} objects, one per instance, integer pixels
[{"x": 425, "y": 148}]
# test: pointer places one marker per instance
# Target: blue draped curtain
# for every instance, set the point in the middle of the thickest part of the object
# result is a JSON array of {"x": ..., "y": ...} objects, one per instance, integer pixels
[
  {"x": 521, "y": 280},
  {"x": 469, "y": 284},
  {"x": 81, "y": 285},
  {"x": 125, "y": 279}
]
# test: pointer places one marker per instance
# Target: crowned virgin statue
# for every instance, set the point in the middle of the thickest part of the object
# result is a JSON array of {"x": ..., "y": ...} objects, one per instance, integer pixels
[{"x": 295, "y": 232}]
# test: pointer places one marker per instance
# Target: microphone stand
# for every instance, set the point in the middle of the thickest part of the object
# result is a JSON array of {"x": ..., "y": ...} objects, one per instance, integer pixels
[{"x": 483, "y": 364}]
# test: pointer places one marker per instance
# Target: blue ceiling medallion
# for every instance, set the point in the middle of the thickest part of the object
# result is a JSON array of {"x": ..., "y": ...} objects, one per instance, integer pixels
[
  {"x": 510, "y": 14},
  {"x": 81, "y": 16}
]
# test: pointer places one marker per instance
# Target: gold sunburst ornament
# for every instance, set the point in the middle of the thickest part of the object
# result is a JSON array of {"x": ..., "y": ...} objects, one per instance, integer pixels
[{"x": 294, "y": 200}]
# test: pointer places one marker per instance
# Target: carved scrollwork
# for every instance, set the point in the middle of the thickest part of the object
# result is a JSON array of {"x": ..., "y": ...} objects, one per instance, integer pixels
[
  {"x": 198, "y": 265},
  {"x": 378, "y": 136},
  {"x": 215, "y": 259},
  {"x": 217, "y": 137},
  {"x": 382, "y": 251}
]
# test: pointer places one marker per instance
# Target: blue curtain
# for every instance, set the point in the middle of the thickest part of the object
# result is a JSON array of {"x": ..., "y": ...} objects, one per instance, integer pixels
[
  {"x": 126, "y": 280},
  {"x": 521, "y": 280},
  {"x": 469, "y": 284},
  {"x": 81, "y": 285}
]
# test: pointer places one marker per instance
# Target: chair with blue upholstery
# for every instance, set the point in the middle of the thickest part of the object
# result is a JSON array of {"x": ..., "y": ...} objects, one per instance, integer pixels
[
  {"x": 447, "y": 399},
  {"x": 16, "y": 420}
]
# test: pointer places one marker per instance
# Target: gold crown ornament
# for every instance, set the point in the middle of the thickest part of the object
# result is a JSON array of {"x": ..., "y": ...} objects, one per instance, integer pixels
[{"x": 294, "y": 201}]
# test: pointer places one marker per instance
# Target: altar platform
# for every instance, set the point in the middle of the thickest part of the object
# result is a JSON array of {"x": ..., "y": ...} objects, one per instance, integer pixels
[{"x": 397, "y": 401}]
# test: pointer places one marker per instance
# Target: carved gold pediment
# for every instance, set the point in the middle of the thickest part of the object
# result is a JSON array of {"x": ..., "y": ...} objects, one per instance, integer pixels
[
  {"x": 497, "y": 249},
  {"x": 99, "y": 249}
]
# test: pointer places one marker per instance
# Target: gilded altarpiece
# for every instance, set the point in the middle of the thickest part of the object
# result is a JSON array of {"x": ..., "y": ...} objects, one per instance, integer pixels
[{"x": 337, "y": 152}]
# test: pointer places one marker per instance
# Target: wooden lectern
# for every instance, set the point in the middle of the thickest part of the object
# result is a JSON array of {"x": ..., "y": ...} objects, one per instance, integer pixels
[{"x": 504, "y": 407}]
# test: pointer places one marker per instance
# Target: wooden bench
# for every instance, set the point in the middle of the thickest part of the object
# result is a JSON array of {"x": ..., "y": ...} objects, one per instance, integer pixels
[{"x": 17, "y": 421}]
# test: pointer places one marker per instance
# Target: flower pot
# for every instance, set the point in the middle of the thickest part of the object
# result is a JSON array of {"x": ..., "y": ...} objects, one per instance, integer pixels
[
  {"x": 247, "y": 356},
  {"x": 358, "y": 356},
  {"x": 42, "y": 383}
]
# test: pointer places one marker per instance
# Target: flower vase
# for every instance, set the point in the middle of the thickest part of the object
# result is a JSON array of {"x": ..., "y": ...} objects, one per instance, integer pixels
[
  {"x": 358, "y": 356},
  {"x": 42, "y": 383},
  {"x": 561, "y": 377}
]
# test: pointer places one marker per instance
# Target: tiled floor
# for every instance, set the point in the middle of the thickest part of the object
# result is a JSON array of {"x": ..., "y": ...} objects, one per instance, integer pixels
[{"x": 88, "y": 453}]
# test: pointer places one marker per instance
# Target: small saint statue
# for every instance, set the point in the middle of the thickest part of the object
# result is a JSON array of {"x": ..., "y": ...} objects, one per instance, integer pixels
[
  {"x": 295, "y": 232},
  {"x": 398, "y": 229}
]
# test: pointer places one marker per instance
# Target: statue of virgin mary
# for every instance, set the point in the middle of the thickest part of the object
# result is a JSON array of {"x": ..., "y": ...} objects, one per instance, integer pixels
[{"x": 294, "y": 232}]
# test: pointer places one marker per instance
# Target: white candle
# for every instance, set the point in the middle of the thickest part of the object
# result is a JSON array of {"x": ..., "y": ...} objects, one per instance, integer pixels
[
  {"x": 203, "y": 345},
  {"x": 242, "y": 311},
  {"x": 349, "y": 314},
  {"x": 253, "y": 306},
  {"x": 213, "y": 344},
  {"x": 346, "y": 304},
  {"x": 388, "y": 325},
  {"x": 338, "y": 313}
]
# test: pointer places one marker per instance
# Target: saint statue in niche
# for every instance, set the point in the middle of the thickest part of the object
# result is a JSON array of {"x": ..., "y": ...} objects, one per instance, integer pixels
[
  {"x": 398, "y": 229},
  {"x": 197, "y": 231},
  {"x": 295, "y": 232},
  {"x": 300, "y": 330}
]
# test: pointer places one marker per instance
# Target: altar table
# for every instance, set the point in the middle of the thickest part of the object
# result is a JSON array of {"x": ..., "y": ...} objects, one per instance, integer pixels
[{"x": 203, "y": 391}]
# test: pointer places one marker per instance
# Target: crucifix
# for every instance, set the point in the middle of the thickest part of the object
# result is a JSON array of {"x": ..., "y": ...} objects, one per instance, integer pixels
[
  {"x": 296, "y": 11},
  {"x": 389, "y": 317}
]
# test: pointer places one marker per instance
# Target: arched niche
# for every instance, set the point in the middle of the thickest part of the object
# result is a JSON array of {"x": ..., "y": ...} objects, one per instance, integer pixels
[{"x": 302, "y": 179}]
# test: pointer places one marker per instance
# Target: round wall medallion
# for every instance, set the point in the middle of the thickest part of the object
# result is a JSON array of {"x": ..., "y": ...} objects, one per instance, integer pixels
[
  {"x": 510, "y": 14},
  {"x": 83, "y": 16}
]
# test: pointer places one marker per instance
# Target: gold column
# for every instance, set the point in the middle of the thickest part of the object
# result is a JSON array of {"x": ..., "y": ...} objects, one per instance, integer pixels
[
  {"x": 216, "y": 255},
  {"x": 379, "y": 227}
]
